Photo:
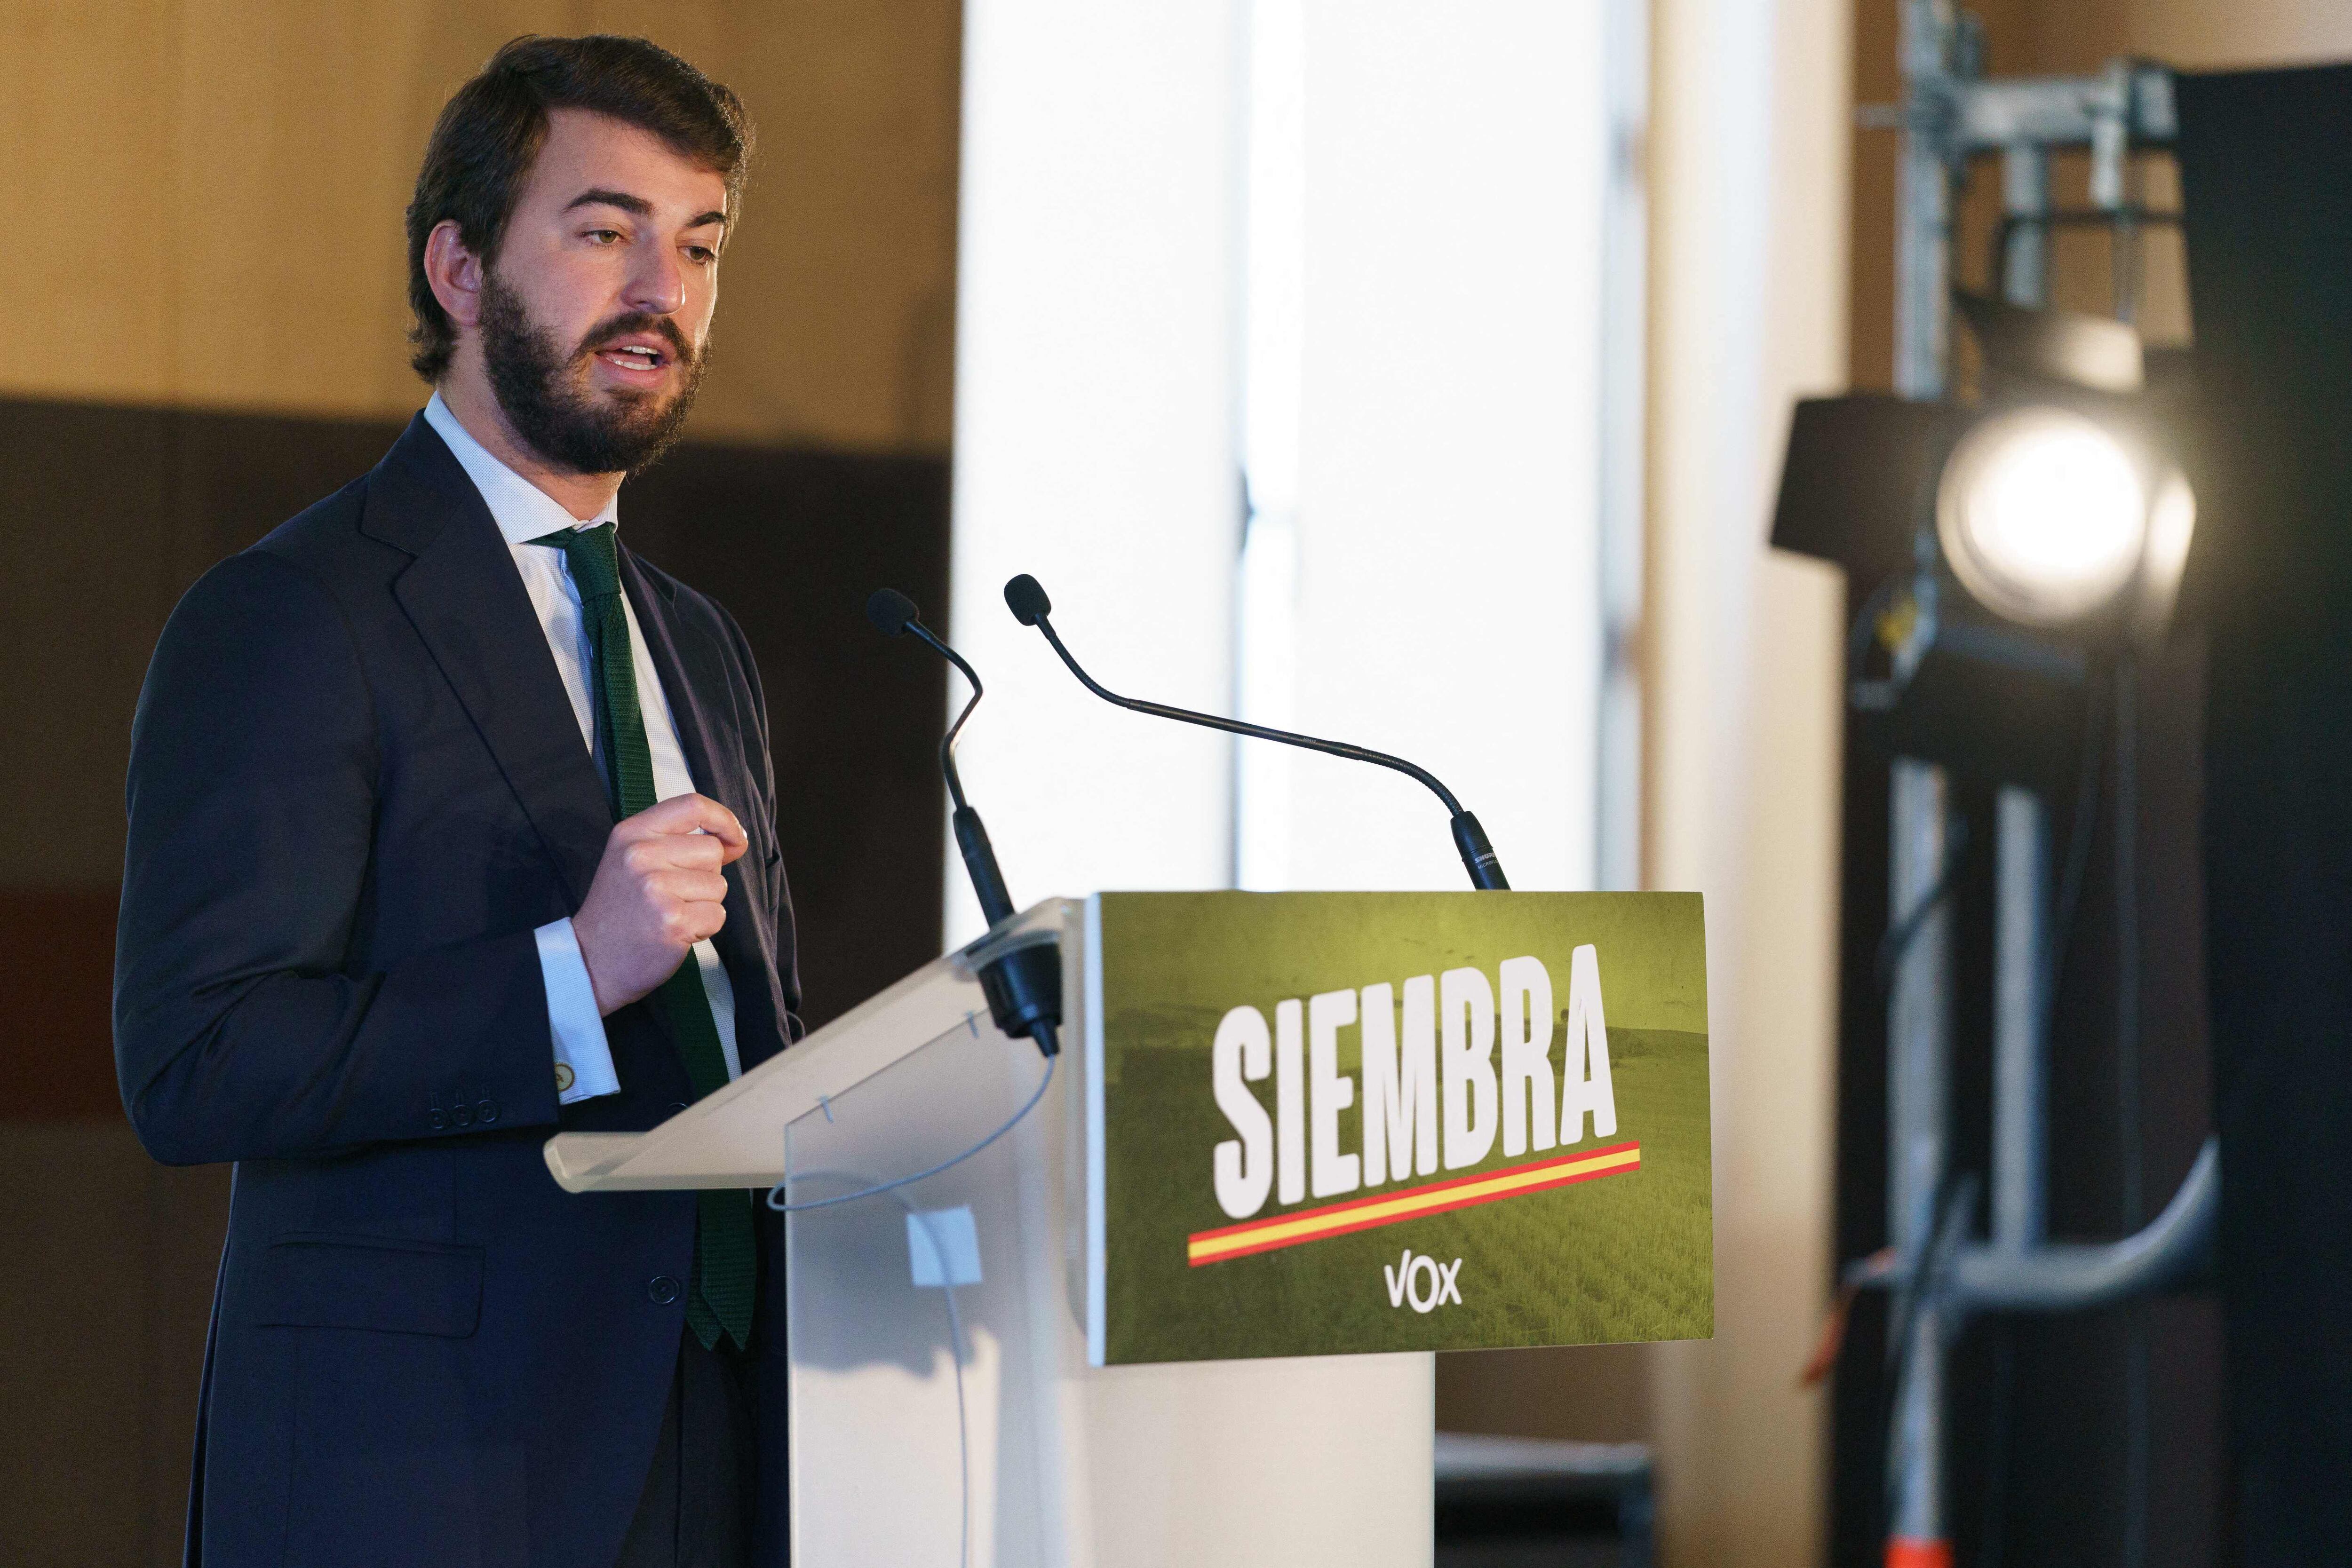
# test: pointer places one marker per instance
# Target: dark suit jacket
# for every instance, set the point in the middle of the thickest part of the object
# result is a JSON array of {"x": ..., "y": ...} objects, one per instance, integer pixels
[{"x": 356, "y": 787}]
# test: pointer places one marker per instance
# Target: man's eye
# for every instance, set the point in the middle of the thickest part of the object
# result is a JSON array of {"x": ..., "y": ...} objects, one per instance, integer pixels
[
  {"x": 702, "y": 254},
  {"x": 604, "y": 236}
]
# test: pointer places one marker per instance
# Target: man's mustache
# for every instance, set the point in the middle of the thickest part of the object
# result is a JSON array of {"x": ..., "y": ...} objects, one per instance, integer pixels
[{"x": 637, "y": 322}]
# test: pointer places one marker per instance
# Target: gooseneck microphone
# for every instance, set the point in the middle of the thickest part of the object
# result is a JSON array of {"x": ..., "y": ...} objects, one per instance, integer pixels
[
  {"x": 1024, "y": 987},
  {"x": 1026, "y": 599}
]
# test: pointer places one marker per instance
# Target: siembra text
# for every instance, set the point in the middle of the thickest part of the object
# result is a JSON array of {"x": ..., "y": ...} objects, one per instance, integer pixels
[{"x": 1448, "y": 1038}]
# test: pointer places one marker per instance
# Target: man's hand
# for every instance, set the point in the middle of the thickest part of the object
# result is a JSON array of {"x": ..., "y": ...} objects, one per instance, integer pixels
[{"x": 657, "y": 892}]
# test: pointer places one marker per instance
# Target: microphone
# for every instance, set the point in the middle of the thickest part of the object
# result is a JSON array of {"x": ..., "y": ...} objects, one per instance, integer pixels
[
  {"x": 1026, "y": 599},
  {"x": 1025, "y": 986}
]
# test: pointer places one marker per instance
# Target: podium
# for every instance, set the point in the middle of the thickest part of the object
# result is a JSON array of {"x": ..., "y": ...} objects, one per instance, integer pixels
[{"x": 943, "y": 1407}]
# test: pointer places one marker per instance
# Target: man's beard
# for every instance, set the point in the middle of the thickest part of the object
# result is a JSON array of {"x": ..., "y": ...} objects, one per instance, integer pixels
[{"x": 588, "y": 433}]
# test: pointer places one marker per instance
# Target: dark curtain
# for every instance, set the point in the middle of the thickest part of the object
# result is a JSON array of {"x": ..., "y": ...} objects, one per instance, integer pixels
[{"x": 2266, "y": 172}]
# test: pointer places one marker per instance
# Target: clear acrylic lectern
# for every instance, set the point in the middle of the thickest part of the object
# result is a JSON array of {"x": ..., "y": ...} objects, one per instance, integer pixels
[{"x": 942, "y": 1409}]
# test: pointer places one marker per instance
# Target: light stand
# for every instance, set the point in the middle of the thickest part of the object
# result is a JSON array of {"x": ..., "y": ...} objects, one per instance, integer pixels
[{"x": 1938, "y": 1274}]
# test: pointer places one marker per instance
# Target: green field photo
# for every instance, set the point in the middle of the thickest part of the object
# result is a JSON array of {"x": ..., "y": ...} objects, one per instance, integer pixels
[{"x": 1622, "y": 1256}]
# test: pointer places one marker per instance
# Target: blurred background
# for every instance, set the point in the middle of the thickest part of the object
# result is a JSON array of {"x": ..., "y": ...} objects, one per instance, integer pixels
[{"x": 1415, "y": 374}]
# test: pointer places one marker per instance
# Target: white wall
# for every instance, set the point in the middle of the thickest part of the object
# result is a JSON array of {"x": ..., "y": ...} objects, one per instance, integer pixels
[
  {"x": 1386, "y": 275},
  {"x": 1444, "y": 604},
  {"x": 1095, "y": 440}
]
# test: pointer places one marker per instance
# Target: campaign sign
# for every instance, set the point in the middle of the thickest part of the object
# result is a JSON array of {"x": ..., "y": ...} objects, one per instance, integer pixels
[{"x": 1324, "y": 1122}]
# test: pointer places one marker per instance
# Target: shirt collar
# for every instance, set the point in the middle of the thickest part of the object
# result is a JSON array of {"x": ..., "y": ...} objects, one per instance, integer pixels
[{"x": 522, "y": 510}]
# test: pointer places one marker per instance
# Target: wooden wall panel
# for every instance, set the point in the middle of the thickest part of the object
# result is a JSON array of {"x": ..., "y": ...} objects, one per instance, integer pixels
[
  {"x": 108, "y": 1289},
  {"x": 57, "y": 980},
  {"x": 217, "y": 188},
  {"x": 85, "y": 163},
  {"x": 107, "y": 515},
  {"x": 86, "y": 578}
]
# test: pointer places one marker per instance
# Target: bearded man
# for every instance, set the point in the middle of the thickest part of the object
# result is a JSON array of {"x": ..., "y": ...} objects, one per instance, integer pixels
[{"x": 452, "y": 825}]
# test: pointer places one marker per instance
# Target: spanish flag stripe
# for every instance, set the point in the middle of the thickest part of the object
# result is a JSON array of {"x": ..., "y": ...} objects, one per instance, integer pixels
[
  {"x": 1412, "y": 1203},
  {"x": 1474, "y": 1179}
]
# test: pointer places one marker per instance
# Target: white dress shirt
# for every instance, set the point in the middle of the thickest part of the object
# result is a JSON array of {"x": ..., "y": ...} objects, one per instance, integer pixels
[{"x": 584, "y": 1060}]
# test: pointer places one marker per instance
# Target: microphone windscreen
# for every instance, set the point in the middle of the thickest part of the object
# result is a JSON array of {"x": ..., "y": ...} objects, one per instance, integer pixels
[
  {"x": 890, "y": 609},
  {"x": 1026, "y": 599}
]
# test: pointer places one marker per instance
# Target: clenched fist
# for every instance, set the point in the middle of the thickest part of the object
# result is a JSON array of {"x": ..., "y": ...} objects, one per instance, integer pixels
[{"x": 657, "y": 893}]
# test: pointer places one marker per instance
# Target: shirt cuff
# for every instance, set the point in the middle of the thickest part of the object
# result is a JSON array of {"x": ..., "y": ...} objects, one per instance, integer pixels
[{"x": 583, "y": 1062}]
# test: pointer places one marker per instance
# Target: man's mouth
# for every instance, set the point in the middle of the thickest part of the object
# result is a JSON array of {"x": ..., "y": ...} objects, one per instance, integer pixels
[{"x": 634, "y": 356}]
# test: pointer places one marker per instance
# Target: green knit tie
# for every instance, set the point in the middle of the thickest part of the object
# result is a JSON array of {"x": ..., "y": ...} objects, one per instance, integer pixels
[{"x": 721, "y": 1299}]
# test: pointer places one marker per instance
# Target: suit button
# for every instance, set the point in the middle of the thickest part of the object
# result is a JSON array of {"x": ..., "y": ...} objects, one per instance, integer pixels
[
  {"x": 462, "y": 1116},
  {"x": 487, "y": 1111},
  {"x": 677, "y": 1105},
  {"x": 662, "y": 1289},
  {"x": 437, "y": 1120}
]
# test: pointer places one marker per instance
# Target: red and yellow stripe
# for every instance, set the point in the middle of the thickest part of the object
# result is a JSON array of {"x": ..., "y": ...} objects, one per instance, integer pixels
[{"x": 1412, "y": 1203}]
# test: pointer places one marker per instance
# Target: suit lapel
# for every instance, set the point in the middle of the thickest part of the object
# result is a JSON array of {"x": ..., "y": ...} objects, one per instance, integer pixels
[
  {"x": 691, "y": 676},
  {"x": 467, "y": 603},
  {"x": 696, "y": 680}
]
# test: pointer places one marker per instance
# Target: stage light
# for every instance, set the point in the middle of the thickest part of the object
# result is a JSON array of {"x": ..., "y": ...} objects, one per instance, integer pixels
[
  {"x": 2042, "y": 515},
  {"x": 2171, "y": 522}
]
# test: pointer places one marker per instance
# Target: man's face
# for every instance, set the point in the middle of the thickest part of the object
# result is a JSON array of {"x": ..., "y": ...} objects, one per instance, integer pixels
[{"x": 596, "y": 312}]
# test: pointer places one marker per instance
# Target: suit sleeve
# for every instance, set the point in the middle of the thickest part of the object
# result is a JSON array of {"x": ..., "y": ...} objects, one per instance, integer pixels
[{"x": 241, "y": 1031}]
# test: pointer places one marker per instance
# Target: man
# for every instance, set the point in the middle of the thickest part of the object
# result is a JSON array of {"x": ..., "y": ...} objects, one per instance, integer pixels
[{"x": 452, "y": 825}]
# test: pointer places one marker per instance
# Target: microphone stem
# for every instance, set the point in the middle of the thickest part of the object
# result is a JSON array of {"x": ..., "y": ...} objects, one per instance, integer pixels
[
  {"x": 948, "y": 741},
  {"x": 1024, "y": 987},
  {"x": 1477, "y": 854},
  {"x": 970, "y": 833},
  {"x": 1255, "y": 731},
  {"x": 979, "y": 860}
]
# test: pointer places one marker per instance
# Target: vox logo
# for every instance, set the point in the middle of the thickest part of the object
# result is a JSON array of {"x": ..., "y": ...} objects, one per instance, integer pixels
[{"x": 1405, "y": 1281}]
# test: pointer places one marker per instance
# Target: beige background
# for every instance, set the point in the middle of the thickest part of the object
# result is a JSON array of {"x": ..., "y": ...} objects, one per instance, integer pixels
[{"x": 208, "y": 198}]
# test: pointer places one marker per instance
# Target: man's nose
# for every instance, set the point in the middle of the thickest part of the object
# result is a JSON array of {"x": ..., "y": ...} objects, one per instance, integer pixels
[{"x": 657, "y": 283}]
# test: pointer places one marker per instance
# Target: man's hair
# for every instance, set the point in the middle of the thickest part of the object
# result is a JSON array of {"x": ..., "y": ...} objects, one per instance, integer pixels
[{"x": 489, "y": 134}]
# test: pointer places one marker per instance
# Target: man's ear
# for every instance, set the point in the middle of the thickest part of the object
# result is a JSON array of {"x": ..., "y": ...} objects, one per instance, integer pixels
[{"x": 455, "y": 272}]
